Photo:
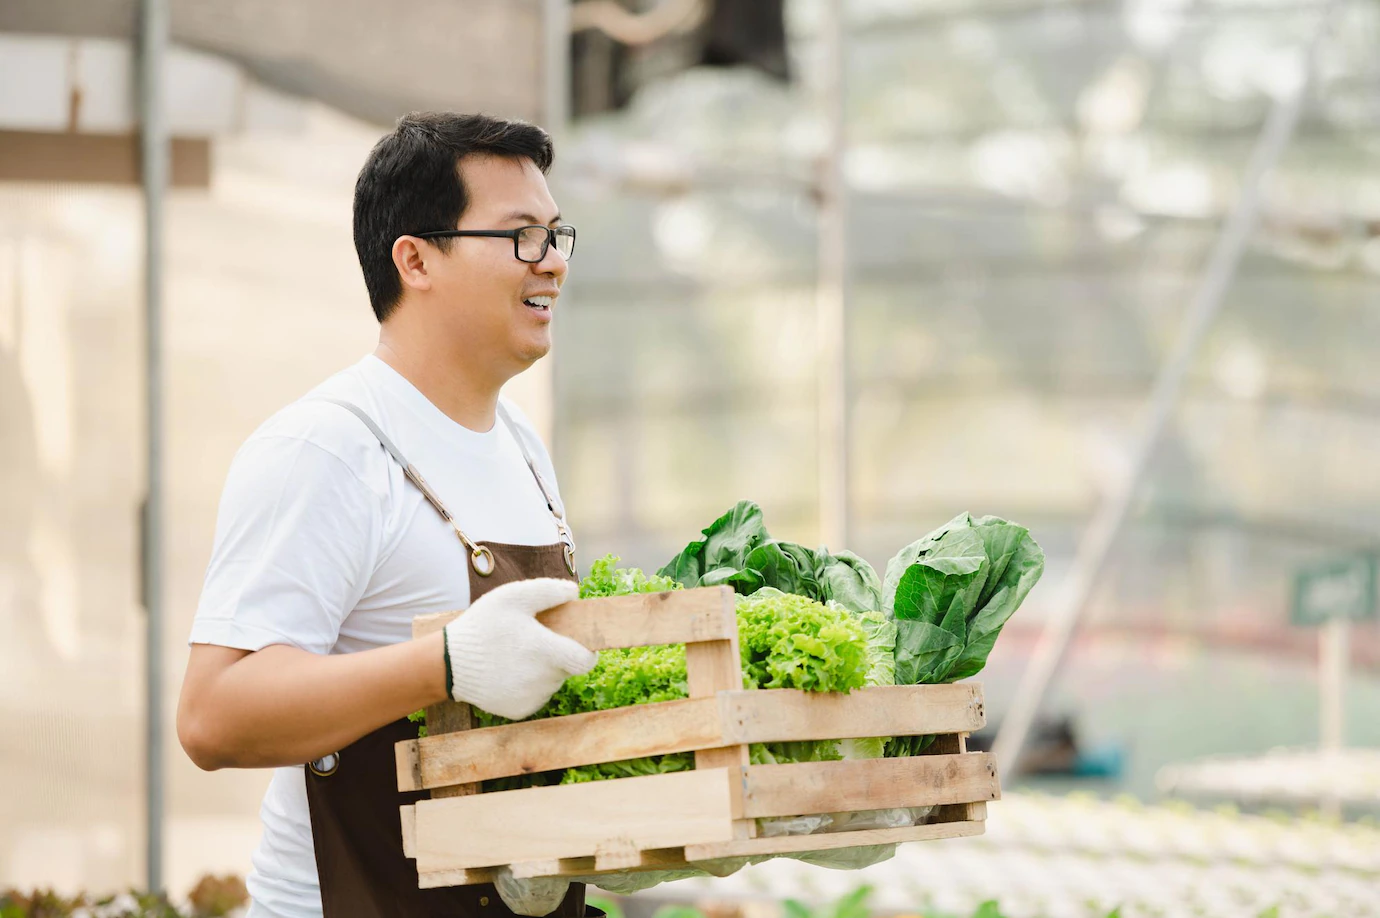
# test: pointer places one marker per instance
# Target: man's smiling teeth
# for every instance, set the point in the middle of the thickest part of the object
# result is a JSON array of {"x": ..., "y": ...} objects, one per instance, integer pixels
[{"x": 540, "y": 302}]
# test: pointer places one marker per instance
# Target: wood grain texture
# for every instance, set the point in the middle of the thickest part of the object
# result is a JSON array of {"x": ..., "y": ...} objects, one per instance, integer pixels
[
  {"x": 434, "y": 879},
  {"x": 712, "y": 667},
  {"x": 559, "y": 742},
  {"x": 737, "y": 718},
  {"x": 830, "y": 787},
  {"x": 830, "y": 840},
  {"x": 784, "y": 715},
  {"x": 563, "y": 821},
  {"x": 638, "y": 620},
  {"x": 408, "y": 818}
]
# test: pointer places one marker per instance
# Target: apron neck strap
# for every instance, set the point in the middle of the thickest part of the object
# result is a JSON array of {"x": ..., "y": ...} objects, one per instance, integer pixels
[{"x": 480, "y": 557}]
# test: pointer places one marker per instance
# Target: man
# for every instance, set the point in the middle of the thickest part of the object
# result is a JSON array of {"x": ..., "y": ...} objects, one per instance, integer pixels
[{"x": 402, "y": 485}]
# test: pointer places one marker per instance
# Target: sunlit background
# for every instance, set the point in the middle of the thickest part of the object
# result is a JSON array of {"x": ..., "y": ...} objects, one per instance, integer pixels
[{"x": 1015, "y": 202}]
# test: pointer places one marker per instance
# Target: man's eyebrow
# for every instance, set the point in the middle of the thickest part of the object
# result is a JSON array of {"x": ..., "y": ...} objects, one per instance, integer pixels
[{"x": 530, "y": 219}]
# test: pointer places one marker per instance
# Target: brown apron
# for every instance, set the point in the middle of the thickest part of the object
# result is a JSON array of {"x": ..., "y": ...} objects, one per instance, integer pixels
[{"x": 354, "y": 798}]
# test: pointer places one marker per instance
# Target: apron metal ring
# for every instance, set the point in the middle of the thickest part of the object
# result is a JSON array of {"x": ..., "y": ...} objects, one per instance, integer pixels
[
  {"x": 483, "y": 560},
  {"x": 325, "y": 766},
  {"x": 569, "y": 552}
]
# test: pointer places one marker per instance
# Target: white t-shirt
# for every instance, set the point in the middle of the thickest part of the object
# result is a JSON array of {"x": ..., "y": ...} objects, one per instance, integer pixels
[{"x": 322, "y": 543}]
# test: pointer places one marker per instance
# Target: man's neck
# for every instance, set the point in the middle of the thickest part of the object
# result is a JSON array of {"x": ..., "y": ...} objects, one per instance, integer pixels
[{"x": 464, "y": 397}]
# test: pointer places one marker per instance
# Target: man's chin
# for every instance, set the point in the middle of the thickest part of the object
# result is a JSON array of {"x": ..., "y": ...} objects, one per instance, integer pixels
[{"x": 529, "y": 352}]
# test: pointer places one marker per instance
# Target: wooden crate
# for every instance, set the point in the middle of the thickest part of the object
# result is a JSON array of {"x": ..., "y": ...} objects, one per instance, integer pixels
[{"x": 460, "y": 836}]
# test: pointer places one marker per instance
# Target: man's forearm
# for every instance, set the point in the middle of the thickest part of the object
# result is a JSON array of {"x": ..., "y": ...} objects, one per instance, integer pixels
[{"x": 285, "y": 706}]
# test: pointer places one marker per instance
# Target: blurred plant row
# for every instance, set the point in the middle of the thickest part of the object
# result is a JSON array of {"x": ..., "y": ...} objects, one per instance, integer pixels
[
  {"x": 226, "y": 897},
  {"x": 853, "y": 905},
  {"x": 211, "y": 897}
]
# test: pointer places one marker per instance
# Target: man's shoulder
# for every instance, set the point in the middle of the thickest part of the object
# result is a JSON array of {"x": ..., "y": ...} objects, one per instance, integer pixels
[
  {"x": 316, "y": 419},
  {"x": 523, "y": 428}
]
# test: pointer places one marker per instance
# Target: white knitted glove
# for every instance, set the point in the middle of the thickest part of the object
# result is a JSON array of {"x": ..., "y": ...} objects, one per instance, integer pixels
[{"x": 502, "y": 660}]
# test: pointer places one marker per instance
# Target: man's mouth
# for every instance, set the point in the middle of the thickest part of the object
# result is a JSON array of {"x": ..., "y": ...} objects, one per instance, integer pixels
[{"x": 540, "y": 303}]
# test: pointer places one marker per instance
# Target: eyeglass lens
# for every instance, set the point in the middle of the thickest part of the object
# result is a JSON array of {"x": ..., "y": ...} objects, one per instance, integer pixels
[{"x": 533, "y": 240}]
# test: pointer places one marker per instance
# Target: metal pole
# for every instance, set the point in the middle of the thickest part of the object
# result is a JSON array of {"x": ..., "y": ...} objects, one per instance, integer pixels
[
  {"x": 555, "y": 113},
  {"x": 153, "y": 40},
  {"x": 832, "y": 293},
  {"x": 556, "y": 79},
  {"x": 1095, "y": 547},
  {"x": 1332, "y": 667}
]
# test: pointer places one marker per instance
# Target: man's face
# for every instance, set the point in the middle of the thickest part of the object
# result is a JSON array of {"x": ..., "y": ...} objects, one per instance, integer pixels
[{"x": 483, "y": 291}]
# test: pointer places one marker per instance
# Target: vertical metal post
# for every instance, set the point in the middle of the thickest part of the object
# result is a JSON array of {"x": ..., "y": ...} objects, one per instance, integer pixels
[
  {"x": 1332, "y": 666},
  {"x": 556, "y": 58},
  {"x": 831, "y": 294},
  {"x": 1095, "y": 547},
  {"x": 1333, "y": 653},
  {"x": 555, "y": 113},
  {"x": 153, "y": 40}
]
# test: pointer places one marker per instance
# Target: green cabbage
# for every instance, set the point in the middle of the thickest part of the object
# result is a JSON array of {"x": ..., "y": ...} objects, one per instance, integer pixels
[{"x": 738, "y": 551}]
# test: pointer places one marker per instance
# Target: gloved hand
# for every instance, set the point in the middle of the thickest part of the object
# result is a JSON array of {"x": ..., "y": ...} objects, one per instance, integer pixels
[{"x": 502, "y": 660}]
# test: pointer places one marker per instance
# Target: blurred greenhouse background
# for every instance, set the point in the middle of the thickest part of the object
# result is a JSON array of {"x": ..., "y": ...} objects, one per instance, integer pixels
[{"x": 1031, "y": 193}]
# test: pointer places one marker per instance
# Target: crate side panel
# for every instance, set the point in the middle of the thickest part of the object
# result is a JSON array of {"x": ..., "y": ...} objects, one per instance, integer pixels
[
  {"x": 638, "y": 620},
  {"x": 831, "y": 787},
  {"x": 558, "y": 742},
  {"x": 784, "y": 715},
  {"x": 575, "y": 820},
  {"x": 826, "y": 841}
]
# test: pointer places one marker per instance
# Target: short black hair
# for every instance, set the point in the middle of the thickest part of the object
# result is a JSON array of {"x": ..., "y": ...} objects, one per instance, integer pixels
[{"x": 411, "y": 184}]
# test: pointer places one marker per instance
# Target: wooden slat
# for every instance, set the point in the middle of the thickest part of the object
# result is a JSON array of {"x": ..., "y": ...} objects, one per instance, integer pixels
[
  {"x": 35, "y": 156},
  {"x": 670, "y": 859},
  {"x": 544, "y": 823},
  {"x": 783, "y": 715},
  {"x": 639, "y": 620},
  {"x": 553, "y": 867},
  {"x": 441, "y": 718},
  {"x": 408, "y": 818},
  {"x": 654, "y": 859},
  {"x": 949, "y": 744},
  {"x": 712, "y": 667},
  {"x": 558, "y": 742},
  {"x": 435, "y": 879},
  {"x": 831, "y": 787},
  {"x": 748, "y": 716},
  {"x": 789, "y": 844}
]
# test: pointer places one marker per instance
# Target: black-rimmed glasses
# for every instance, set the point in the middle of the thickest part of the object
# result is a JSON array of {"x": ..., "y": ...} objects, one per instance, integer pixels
[{"x": 530, "y": 243}]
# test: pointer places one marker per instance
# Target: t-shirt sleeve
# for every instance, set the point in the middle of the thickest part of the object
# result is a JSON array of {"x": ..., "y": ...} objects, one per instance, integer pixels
[{"x": 296, "y": 538}]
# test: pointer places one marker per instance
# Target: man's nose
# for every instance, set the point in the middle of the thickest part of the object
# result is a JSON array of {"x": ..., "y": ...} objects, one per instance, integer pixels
[{"x": 552, "y": 263}]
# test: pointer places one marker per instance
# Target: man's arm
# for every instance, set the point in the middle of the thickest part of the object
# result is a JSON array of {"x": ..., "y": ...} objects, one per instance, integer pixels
[{"x": 285, "y": 706}]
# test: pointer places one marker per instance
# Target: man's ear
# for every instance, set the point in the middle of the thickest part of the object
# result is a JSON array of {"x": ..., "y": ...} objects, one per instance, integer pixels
[{"x": 409, "y": 257}]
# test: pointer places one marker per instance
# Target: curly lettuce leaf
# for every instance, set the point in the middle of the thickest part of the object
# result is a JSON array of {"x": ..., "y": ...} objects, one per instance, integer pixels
[
  {"x": 790, "y": 641},
  {"x": 607, "y": 579}
]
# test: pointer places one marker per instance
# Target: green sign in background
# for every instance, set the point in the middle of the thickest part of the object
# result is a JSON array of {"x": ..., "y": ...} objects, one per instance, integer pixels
[{"x": 1343, "y": 588}]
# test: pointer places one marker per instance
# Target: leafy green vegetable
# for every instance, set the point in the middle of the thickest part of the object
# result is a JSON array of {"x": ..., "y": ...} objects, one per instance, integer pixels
[
  {"x": 950, "y": 593},
  {"x": 881, "y": 648},
  {"x": 419, "y": 717},
  {"x": 786, "y": 641},
  {"x": 789, "y": 641},
  {"x": 738, "y": 551},
  {"x": 848, "y": 580},
  {"x": 607, "y": 579}
]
